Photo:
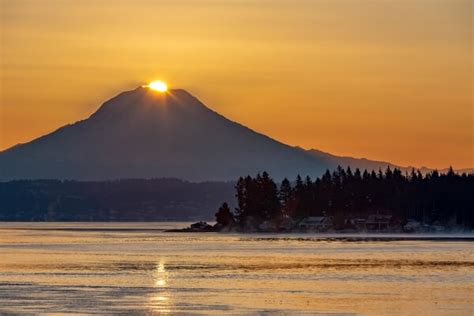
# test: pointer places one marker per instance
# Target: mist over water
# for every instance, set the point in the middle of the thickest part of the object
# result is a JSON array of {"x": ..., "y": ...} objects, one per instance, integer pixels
[{"x": 137, "y": 267}]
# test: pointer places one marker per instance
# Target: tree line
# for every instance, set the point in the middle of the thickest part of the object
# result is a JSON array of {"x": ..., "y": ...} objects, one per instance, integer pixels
[
  {"x": 344, "y": 193},
  {"x": 115, "y": 200}
]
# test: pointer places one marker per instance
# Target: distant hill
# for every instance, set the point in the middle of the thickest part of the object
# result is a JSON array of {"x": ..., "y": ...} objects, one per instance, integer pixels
[
  {"x": 117, "y": 200},
  {"x": 146, "y": 134}
]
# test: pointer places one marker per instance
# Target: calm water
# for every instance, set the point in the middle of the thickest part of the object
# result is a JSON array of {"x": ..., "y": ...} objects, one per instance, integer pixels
[{"x": 138, "y": 268}]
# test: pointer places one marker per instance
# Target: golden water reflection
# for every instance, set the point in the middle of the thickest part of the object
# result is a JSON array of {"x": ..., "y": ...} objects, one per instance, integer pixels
[
  {"x": 137, "y": 271},
  {"x": 160, "y": 300}
]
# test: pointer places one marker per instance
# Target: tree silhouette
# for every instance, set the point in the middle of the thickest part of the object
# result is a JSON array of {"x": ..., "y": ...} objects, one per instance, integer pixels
[
  {"x": 286, "y": 198},
  {"x": 224, "y": 216},
  {"x": 445, "y": 199}
]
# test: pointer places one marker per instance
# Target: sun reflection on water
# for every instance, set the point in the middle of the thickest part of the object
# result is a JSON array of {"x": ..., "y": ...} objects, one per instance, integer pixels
[{"x": 160, "y": 300}]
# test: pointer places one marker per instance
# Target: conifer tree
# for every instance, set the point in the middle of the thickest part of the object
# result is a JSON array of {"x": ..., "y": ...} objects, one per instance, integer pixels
[{"x": 224, "y": 216}]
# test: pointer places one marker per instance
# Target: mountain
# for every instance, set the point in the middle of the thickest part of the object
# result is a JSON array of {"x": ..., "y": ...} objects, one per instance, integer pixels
[{"x": 146, "y": 134}]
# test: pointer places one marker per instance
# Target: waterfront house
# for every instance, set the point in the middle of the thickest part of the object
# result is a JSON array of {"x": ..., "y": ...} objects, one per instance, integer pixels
[
  {"x": 316, "y": 223},
  {"x": 381, "y": 222}
]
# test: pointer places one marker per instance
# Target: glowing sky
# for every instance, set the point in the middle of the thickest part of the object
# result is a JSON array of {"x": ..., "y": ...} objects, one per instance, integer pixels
[{"x": 387, "y": 80}]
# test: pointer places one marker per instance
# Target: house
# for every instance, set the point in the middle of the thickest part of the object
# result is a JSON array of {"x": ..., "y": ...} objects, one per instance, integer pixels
[
  {"x": 286, "y": 224},
  {"x": 267, "y": 226},
  {"x": 412, "y": 226},
  {"x": 201, "y": 226},
  {"x": 316, "y": 223},
  {"x": 379, "y": 222},
  {"x": 358, "y": 223}
]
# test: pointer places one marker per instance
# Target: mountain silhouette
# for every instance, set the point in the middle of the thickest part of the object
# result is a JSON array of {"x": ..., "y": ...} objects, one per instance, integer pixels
[{"x": 146, "y": 134}]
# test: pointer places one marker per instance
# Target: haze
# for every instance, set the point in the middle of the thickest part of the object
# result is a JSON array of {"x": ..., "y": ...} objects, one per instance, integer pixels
[{"x": 386, "y": 80}]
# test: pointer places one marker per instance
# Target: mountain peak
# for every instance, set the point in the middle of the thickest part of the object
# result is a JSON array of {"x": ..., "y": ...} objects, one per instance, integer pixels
[
  {"x": 143, "y": 94},
  {"x": 145, "y": 101}
]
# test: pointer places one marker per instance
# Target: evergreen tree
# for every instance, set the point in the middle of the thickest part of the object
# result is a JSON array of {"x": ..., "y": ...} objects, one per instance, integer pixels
[
  {"x": 241, "y": 199},
  {"x": 269, "y": 204},
  {"x": 286, "y": 197},
  {"x": 224, "y": 216}
]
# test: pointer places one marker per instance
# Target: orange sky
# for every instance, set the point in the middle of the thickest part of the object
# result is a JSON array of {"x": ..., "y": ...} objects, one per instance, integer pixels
[{"x": 386, "y": 80}]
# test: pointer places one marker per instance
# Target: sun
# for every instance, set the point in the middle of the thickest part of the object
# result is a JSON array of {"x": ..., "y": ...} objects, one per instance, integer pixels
[{"x": 159, "y": 86}]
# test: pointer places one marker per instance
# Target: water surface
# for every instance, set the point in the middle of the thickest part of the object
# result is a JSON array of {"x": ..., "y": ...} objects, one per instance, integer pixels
[{"x": 138, "y": 268}]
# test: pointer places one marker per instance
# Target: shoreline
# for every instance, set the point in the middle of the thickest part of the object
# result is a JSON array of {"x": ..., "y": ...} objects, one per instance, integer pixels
[
  {"x": 341, "y": 236},
  {"x": 162, "y": 227}
]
